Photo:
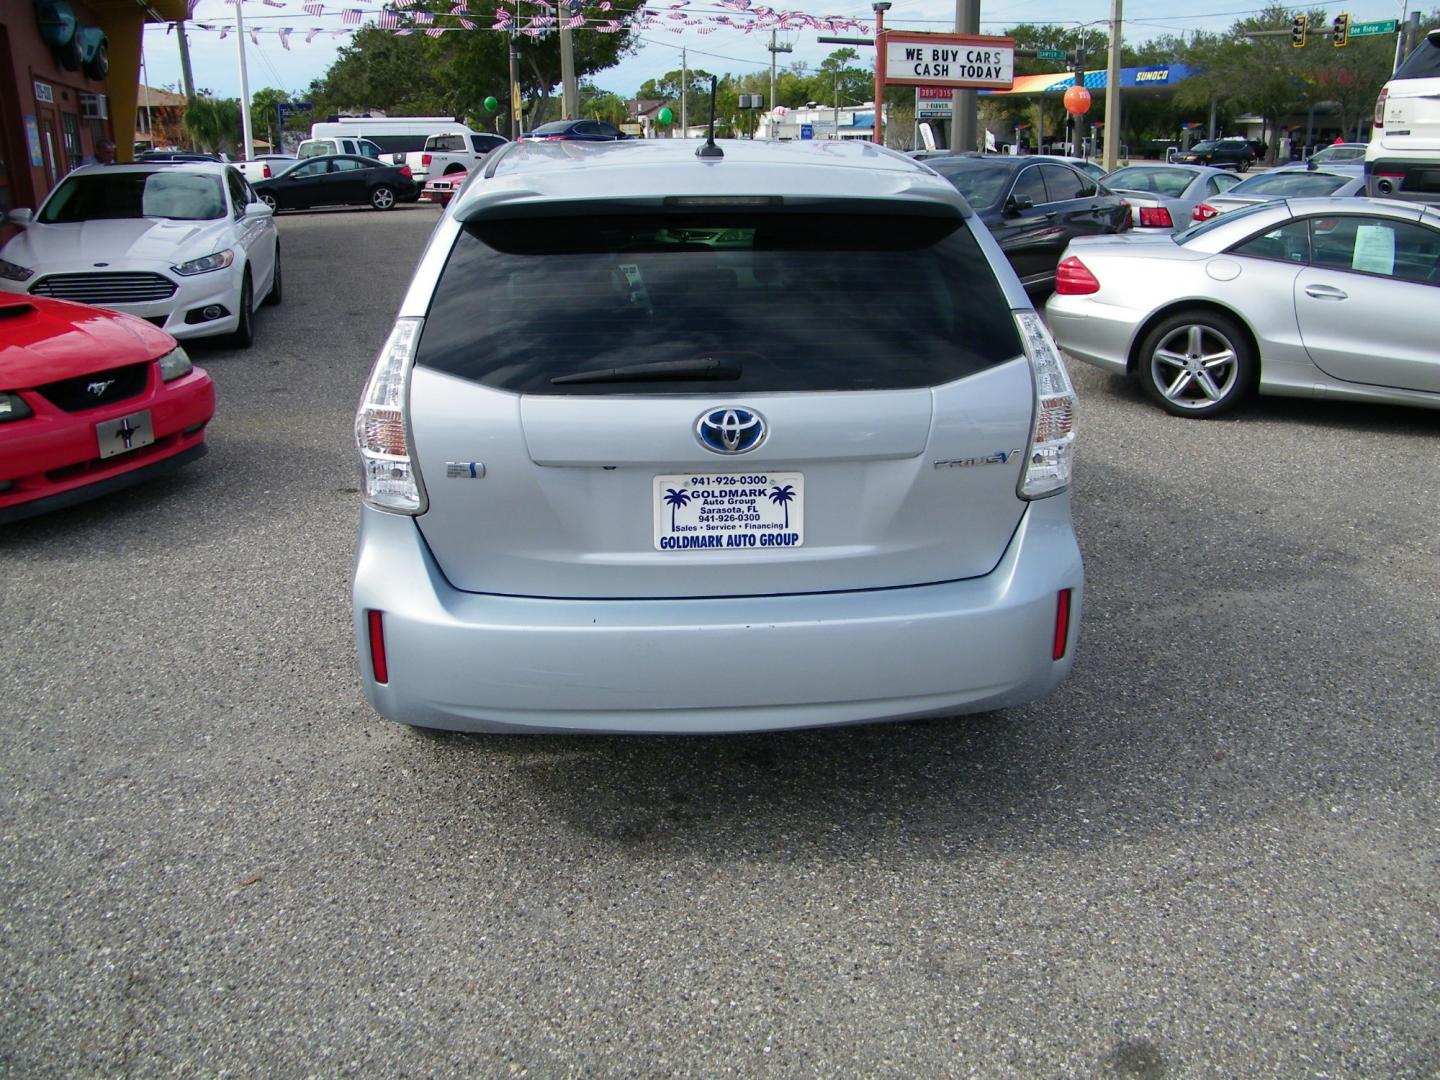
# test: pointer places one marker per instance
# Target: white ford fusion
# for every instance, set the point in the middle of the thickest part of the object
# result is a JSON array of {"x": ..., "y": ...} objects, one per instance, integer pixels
[
  {"x": 763, "y": 438},
  {"x": 187, "y": 247}
]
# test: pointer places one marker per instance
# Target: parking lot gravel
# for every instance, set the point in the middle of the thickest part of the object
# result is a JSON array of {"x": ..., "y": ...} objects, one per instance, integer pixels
[{"x": 1212, "y": 853}]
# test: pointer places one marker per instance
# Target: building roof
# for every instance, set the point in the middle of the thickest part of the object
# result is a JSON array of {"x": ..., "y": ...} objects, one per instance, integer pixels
[
  {"x": 157, "y": 98},
  {"x": 638, "y": 107}
]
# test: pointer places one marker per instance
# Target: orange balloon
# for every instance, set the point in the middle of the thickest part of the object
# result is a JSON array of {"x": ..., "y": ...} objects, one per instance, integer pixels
[{"x": 1077, "y": 101}]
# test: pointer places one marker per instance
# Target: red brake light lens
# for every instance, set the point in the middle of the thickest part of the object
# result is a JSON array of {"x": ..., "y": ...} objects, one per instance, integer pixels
[
  {"x": 425, "y": 159},
  {"x": 405, "y": 171},
  {"x": 1203, "y": 212},
  {"x": 378, "y": 663},
  {"x": 1073, "y": 278},
  {"x": 1155, "y": 217},
  {"x": 1380, "y": 106},
  {"x": 265, "y": 172},
  {"x": 1062, "y": 625}
]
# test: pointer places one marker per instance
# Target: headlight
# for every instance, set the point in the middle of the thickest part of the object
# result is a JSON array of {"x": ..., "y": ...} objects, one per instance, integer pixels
[
  {"x": 12, "y": 407},
  {"x": 14, "y": 272},
  {"x": 174, "y": 364},
  {"x": 219, "y": 261}
]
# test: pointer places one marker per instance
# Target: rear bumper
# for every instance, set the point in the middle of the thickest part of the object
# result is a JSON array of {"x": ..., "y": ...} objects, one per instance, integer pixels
[
  {"x": 1099, "y": 334},
  {"x": 1416, "y": 179},
  {"x": 473, "y": 662}
]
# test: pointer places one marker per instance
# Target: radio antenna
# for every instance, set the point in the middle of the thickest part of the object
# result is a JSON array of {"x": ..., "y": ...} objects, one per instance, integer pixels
[{"x": 710, "y": 150}]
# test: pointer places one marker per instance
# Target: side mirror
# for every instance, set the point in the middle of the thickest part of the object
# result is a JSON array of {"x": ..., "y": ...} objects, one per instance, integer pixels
[
  {"x": 20, "y": 217},
  {"x": 258, "y": 209},
  {"x": 1020, "y": 202}
]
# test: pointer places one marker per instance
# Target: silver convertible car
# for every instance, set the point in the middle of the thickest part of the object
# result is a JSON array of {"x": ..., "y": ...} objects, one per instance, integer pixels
[
  {"x": 1329, "y": 298},
  {"x": 792, "y": 449}
]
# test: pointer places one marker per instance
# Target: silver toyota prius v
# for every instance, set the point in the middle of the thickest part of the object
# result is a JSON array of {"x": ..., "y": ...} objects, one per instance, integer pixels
[{"x": 671, "y": 441}]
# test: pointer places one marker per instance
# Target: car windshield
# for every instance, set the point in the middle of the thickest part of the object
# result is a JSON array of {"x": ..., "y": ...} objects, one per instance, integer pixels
[
  {"x": 1222, "y": 221},
  {"x": 166, "y": 193},
  {"x": 768, "y": 302},
  {"x": 983, "y": 185},
  {"x": 1169, "y": 182},
  {"x": 1291, "y": 184},
  {"x": 1424, "y": 62}
]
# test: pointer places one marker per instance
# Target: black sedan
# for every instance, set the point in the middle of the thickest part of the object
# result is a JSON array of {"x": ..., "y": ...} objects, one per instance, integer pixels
[
  {"x": 1034, "y": 207},
  {"x": 575, "y": 131},
  {"x": 338, "y": 180}
]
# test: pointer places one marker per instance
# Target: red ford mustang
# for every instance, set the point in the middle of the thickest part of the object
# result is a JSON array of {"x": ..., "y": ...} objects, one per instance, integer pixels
[{"x": 90, "y": 401}]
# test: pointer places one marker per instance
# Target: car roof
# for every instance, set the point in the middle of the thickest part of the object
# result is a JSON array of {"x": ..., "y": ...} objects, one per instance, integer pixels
[
  {"x": 209, "y": 167},
  {"x": 658, "y": 168}
]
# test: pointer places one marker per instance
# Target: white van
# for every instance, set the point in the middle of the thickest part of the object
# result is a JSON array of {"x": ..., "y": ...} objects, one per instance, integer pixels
[
  {"x": 392, "y": 137},
  {"x": 1403, "y": 158},
  {"x": 317, "y": 147}
]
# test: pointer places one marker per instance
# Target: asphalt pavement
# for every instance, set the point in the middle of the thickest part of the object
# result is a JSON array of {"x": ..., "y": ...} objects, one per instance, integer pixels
[{"x": 1212, "y": 853}]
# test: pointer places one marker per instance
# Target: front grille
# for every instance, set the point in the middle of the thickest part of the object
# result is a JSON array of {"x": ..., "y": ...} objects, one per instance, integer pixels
[
  {"x": 101, "y": 388},
  {"x": 136, "y": 288}
]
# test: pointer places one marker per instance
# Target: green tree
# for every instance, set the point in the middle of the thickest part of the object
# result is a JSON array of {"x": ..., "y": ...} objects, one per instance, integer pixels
[
  {"x": 214, "y": 123},
  {"x": 264, "y": 118}
]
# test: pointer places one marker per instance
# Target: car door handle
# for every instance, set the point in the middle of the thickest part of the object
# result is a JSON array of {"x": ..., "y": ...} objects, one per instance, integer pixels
[{"x": 1325, "y": 292}]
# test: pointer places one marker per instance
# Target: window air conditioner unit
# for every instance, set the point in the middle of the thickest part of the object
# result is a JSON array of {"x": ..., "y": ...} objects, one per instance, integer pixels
[{"x": 94, "y": 106}]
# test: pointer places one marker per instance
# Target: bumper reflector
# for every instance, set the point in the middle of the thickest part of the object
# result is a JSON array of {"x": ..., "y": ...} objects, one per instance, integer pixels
[
  {"x": 377, "y": 647},
  {"x": 1062, "y": 624}
]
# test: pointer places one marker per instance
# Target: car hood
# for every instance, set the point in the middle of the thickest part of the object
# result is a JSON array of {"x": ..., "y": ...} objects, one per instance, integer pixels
[
  {"x": 42, "y": 341},
  {"x": 122, "y": 242}
]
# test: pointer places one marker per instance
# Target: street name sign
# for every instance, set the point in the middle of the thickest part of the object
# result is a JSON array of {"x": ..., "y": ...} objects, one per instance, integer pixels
[
  {"x": 1369, "y": 29},
  {"x": 1050, "y": 54}
]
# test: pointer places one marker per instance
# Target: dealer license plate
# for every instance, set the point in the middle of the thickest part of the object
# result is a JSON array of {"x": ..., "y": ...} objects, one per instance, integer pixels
[
  {"x": 729, "y": 511},
  {"x": 125, "y": 433}
]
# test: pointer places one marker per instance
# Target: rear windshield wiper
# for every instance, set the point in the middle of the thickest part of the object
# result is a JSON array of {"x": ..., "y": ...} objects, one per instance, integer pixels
[{"x": 701, "y": 369}]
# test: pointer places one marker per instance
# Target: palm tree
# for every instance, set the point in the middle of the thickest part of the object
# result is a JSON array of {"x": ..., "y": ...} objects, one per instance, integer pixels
[
  {"x": 783, "y": 497},
  {"x": 212, "y": 123},
  {"x": 675, "y": 499}
]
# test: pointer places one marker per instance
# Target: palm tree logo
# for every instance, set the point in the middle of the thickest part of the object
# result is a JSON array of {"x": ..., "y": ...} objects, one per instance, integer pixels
[
  {"x": 675, "y": 498},
  {"x": 783, "y": 496}
]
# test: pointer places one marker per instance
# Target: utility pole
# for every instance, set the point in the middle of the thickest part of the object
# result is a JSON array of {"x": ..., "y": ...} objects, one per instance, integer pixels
[
  {"x": 879, "y": 7},
  {"x": 684, "y": 94},
  {"x": 514, "y": 83},
  {"x": 187, "y": 80},
  {"x": 774, "y": 48},
  {"x": 964, "y": 129},
  {"x": 244, "y": 85},
  {"x": 569, "y": 89},
  {"x": 1112, "y": 93}
]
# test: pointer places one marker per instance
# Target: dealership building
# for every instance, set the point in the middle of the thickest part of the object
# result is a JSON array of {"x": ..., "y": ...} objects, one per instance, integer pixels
[{"x": 69, "y": 77}]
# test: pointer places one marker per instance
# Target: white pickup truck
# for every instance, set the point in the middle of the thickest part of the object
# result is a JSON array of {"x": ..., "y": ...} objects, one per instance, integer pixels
[
  {"x": 451, "y": 152},
  {"x": 264, "y": 166}
]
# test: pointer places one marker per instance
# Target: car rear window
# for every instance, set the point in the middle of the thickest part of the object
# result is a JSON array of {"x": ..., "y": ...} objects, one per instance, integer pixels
[
  {"x": 784, "y": 301},
  {"x": 1297, "y": 184},
  {"x": 1423, "y": 63}
]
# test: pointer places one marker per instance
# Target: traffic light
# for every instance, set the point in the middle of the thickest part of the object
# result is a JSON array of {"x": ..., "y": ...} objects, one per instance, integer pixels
[
  {"x": 1298, "y": 29},
  {"x": 1340, "y": 32}
]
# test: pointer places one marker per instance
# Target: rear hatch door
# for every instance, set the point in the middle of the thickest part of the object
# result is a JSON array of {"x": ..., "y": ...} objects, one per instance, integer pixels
[{"x": 718, "y": 404}]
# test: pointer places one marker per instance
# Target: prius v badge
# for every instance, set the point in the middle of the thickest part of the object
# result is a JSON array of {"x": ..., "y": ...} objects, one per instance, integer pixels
[{"x": 999, "y": 457}]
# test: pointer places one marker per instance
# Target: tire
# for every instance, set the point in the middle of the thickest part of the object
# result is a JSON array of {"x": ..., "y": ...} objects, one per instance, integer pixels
[
  {"x": 1188, "y": 345},
  {"x": 274, "y": 297},
  {"x": 382, "y": 197},
  {"x": 270, "y": 201},
  {"x": 244, "y": 335}
]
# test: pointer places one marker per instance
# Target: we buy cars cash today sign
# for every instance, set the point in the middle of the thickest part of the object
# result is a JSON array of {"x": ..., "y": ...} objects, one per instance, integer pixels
[{"x": 956, "y": 61}]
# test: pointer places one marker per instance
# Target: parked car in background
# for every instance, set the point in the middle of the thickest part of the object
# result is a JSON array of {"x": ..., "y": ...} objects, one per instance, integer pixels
[
  {"x": 151, "y": 156},
  {"x": 1235, "y": 154},
  {"x": 441, "y": 189},
  {"x": 766, "y": 433},
  {"x": 1034, "y": 206},
  {"x": 1403, "y": 157},
  {"x": 338, "y": 180},
  {"x": 575, "y": 131},
  {"x": 91, "y": 401},
  {"x": 1288, "y": 182},
  {"x": 1164, "y": 196},
  {"x": 452, "y": 152},
  {"x": 1092, "y": 169},
  {"x": 264, "y": 166},
  {"x": 1324, "y": 298},
  {"x": 186, "y": 246},
  {"x": 1338, "y": 152}
]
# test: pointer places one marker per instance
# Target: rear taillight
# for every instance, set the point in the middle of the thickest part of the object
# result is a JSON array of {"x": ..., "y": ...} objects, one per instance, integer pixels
[
  {"x": 389, "y": 478},
  {"x": 1380, "y": 106},
  {"x": 265, "y": 172},
  {"x": 425, "y": 159},
  {"x": 1203, "y": 212},
  {"x": 1155, "y": 217},
  {"x": 405, "y": 171},
  {"x": 1127, "y": 218},
  {"x": 556, "y": 138},
  {"x": 1073, "y": 278},
  {"x": 1050, "y": 457}
]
